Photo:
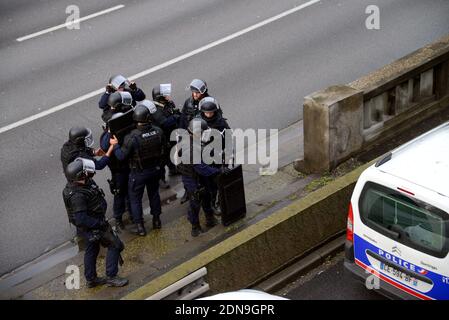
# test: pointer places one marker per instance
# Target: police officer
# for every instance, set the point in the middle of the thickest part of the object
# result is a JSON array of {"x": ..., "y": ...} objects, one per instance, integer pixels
[
  {"x": 210, "y": 112},
  {"x": 120, "y": 83},
  {"x": 119, "y": 101},
  {"x": 119, "y": 178},
  {"x": 190, "y": 109},
  {"x": 197, "y": 180},
  {"x": 80, "y": 145},
  {"x": 172, "y": 114},
  {"x": 209, "y": 109},
  {"x": 143, "y": 147},
  {"x": 86, "y": 208}
]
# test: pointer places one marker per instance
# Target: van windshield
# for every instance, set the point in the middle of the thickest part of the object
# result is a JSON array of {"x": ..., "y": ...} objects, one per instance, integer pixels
[{"x": 405, "y": 220}]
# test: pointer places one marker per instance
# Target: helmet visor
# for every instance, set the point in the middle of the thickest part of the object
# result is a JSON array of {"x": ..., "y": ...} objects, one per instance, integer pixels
[
  {"x": 127, "y": 99},
  {"x": 207, "y": 100},
  {"x": 165, "y": 89},
  {"x": 119, "y": 81},
  {"x": 149, "y": 105},
  {"x": 88, "y": 167},
  {"x": 89, "y": 140},
  {"x": 198, "y": 86}
]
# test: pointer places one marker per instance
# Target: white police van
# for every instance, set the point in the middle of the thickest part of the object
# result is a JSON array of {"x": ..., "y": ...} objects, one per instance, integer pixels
[{"x": 398, "y": 220}]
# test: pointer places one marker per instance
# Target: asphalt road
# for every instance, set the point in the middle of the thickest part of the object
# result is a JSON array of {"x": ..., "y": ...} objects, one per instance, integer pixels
[
  {"x": 330, "y": 281},
  {"x": 259, "y": 77}
]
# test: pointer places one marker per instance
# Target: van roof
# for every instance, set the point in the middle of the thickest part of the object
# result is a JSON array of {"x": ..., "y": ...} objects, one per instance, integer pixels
[{"x": 423, "y": 161}]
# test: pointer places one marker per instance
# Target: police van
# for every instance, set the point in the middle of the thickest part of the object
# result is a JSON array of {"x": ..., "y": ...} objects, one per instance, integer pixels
[{"x": 397, "y": 237}]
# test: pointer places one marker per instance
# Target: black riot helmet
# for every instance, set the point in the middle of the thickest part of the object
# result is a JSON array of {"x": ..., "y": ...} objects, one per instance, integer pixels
[
  {"x": 208, "y": 104},
  {"x": 141, "y": 113},
  {"x": 120, "y": 101},
  {"x": 80, "y": 169},
  {"x": 160, "y": 92},
  {"x": 149, "y": 105},
  {"x": 119, "y": 82},
  {"x": 156, "y": 93},
  {"x": 199, "y": 86},
  {"x": 81, "y": 136},
  {"x": 199, "y": 127}
]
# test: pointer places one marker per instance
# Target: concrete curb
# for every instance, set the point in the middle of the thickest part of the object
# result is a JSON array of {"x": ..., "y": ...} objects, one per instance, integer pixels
[{"x": 276, "y": 241}]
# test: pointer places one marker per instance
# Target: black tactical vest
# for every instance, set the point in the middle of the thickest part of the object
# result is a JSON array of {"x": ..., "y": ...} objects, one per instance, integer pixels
[
  {"x": 92, "y": 193},
  {"x": 71, "y": 151},
  {"x": 148, "y": 147}
]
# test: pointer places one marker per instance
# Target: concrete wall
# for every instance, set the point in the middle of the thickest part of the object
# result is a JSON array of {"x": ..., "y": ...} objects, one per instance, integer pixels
[
  {"x": 341, "y": 121},
  {"x": 251, "y": 254}
]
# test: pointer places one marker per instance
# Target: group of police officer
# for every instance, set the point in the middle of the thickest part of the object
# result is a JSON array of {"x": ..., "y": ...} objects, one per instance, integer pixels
[{"x": 137, "y": 160}]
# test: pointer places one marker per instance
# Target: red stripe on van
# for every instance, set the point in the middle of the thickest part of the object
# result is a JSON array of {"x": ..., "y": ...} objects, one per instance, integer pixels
[
  {"x": 392, "y": 282},
  {"x": 406, "y": 191}
]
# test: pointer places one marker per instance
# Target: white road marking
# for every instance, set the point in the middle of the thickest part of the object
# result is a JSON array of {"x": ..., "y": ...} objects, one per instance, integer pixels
[
  {"x": 158, "y": 67},
  {"x": 64, "y": 25}
]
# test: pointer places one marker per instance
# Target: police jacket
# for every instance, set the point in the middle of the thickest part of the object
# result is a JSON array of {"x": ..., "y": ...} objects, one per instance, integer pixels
[
  {"x": 85, "y": 205},
  {"x": 143, "y": 147},
  {"x": 137, "y": 95},
  {"x": 189, "y": 111},
  {"x": 171, "y": 114},
  {"x": 114, "y": 164},
  {"x": 216, "y": 122},
  {"x": 196, "y": 170},
  {"x": 70, "y": 151}
]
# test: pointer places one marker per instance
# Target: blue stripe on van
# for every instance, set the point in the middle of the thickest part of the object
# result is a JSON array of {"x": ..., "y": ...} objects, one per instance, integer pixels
[{"x": 440, "y": 289}]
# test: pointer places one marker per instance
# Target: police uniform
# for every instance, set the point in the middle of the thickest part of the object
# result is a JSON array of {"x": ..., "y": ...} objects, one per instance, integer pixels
[
  {"x": 198, "y": 183},
  {"x": 171, "y": 114},
  {"x": 143, "y": 148},
  {"x": 70, "y": 151},
  {"x": 137, "y": 95},
  {"x": 119, "y": 180},
  {"x": 189, "y": 111},
  {"x": 86, "y": 208}
]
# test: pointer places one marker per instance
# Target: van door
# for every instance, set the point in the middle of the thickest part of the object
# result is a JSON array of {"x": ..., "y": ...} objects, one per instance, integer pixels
[{"x": 403, "y": 240}]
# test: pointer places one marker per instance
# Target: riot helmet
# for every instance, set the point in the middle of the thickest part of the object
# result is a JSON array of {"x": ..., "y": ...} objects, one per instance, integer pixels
[
  {"x": 199, "y": 127},
  {"x": 119, "y": 82},
  {"x": 208, "y": 104},
  {"x": 120, "y": 101},
  {"x": 141, "y": 113},
  {"x": 80, "y": 169},
  {"x": 156, "y": 93},
  {"x": 81, "y": 136},
  {"x": 149, "y": 105},
  {"x": 198, "y": 85}
]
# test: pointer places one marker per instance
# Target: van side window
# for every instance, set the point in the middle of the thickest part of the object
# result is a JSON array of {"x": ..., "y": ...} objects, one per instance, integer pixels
[{"x": 405, "y": 220}]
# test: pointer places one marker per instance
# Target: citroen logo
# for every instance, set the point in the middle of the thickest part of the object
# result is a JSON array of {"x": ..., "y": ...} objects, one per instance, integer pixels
[{"x": 396, "y": 250}]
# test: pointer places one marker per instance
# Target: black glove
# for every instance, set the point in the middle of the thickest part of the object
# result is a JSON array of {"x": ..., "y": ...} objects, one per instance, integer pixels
[
  {"x": 132, "y": 85},
  {"x": 109, "y": 88}
]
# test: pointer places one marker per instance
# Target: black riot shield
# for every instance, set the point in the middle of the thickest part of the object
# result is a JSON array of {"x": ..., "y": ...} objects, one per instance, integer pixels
[
  {"x": 122, "y": 125},
  {"x": 231, "y": 192}
]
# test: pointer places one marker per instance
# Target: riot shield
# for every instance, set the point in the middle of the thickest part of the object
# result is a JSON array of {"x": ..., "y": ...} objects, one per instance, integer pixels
[
  {"x": 122, "y": 125},
  {"x": 231, "y": 192}
]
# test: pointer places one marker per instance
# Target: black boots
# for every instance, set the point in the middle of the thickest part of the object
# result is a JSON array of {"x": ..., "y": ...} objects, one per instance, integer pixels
[
  {"x": 157, "y": 222},
  {"x": 116, "y": 281},
  {"x": 98, "y": 281},
  {"x": 196, "y": 230},
  {"x": 211, "y": 221},
  {"x": 139, "y": 229}
]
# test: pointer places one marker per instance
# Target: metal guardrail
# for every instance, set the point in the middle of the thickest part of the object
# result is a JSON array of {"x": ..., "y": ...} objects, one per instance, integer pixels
[{"x": 188, "y": 288}]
